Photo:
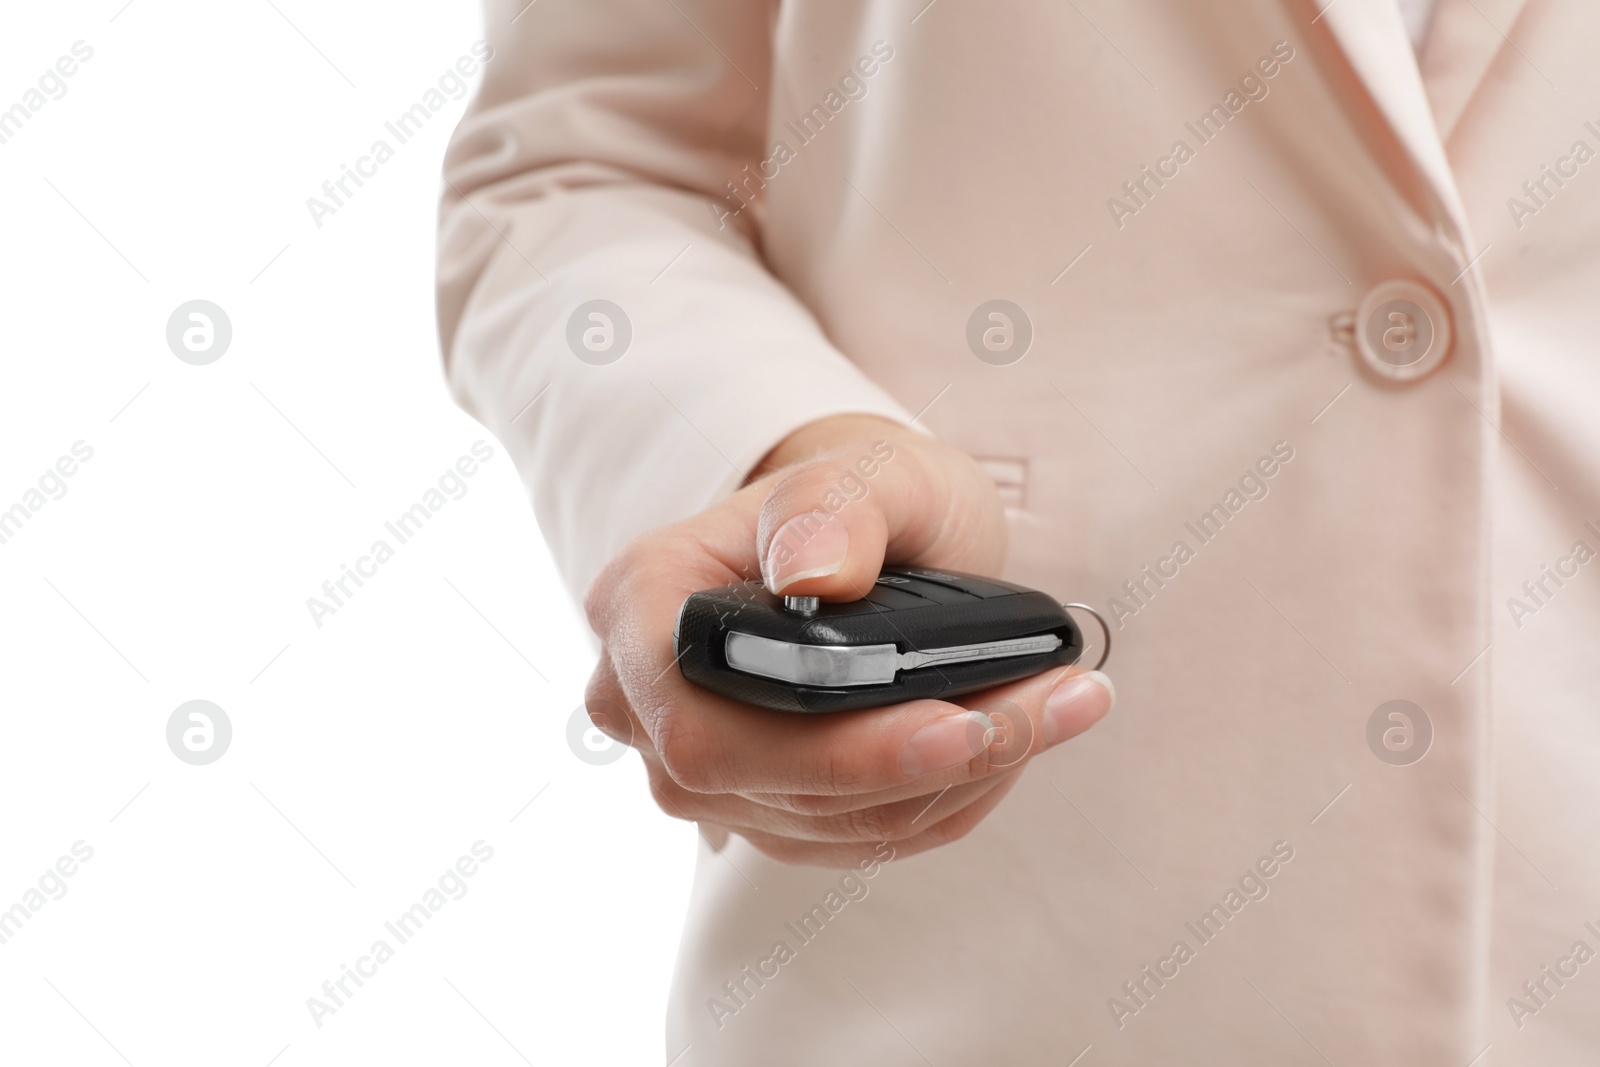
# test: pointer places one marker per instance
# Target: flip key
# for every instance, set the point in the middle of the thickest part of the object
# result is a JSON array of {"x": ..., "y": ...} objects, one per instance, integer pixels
[{"x": 918, "y": 633}]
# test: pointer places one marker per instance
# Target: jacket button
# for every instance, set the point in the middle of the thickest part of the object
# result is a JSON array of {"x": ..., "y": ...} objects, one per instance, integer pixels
[{"x": 1403, "y": 330}]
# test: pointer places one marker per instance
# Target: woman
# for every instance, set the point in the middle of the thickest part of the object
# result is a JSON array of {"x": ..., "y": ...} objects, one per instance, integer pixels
[{"x": 1242, "y": 319}]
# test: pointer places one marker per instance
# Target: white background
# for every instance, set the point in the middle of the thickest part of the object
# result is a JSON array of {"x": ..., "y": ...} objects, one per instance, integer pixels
[{"x": 368, "y": 754}]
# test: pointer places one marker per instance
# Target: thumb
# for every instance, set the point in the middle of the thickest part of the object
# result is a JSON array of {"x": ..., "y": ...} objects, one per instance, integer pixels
[{"x": 828, "y": 526}]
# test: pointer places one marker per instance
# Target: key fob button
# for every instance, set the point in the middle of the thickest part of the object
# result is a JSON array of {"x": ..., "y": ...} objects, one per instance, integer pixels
[
  {"x": 894, "y": 598},
  {"x": 966, "y": 583}
]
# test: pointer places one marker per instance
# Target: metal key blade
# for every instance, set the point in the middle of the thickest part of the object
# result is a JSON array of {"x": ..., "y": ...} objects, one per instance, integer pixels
[
  {"x": 1016, "y": 646},
  {"x": 840, "y": 666}
]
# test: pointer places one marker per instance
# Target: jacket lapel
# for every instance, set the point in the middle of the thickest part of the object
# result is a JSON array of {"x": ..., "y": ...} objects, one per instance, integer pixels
[
  {"x": 1463, "y": 41},
  {"x": 1374, "y": 41}
]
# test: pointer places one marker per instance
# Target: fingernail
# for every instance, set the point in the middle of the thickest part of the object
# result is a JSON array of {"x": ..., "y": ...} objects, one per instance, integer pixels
[
  {"x": 1075, "y": 704},
  {"x": 807, "y": 546},
  {"x": 947, "y": 743}
]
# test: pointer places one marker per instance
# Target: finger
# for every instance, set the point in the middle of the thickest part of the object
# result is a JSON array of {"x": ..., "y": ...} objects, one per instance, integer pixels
[
  {"x": 840, "y": 855},
  {"x": 827, "y": 526},
  {"x": 712, "y": 549},
  {"x": 608, "y": 708},
  {"x": 712, "y": 745},
  {"x": 873, "y": 822},
  {"x": 837, "y": 803}
]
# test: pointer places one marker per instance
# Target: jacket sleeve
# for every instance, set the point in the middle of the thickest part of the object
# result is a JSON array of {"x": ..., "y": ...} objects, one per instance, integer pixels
[{"x": 592, "y": 166}]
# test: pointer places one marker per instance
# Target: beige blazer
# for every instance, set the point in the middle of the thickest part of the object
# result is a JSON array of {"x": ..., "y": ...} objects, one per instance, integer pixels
[{"x": 1280, "y": 349}]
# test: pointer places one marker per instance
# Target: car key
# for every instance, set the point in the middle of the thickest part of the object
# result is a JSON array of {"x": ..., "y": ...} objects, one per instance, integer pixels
[{"x": 918, "y": 633}]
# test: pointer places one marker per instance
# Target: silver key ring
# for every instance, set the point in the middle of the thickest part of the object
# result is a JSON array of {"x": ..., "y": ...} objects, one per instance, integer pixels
[{"x": 1105, "y": 629}]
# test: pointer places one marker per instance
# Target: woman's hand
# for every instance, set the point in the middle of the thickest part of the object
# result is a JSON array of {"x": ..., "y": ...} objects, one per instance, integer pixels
[{"x": 843, "y": 496}]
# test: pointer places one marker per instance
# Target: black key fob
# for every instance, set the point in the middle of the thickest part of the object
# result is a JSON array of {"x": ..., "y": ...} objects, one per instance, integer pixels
[{"x": 918, "y": 633}]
